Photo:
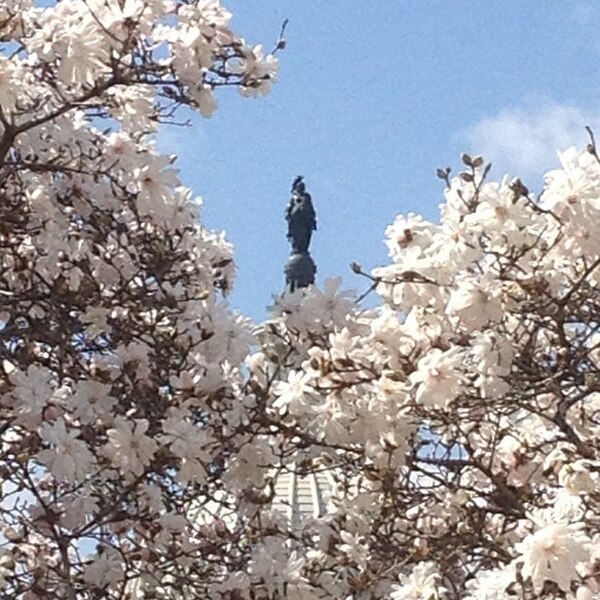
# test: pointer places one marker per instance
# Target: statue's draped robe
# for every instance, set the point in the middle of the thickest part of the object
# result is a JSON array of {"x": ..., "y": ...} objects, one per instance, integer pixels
[{"x": 302, "y": 221}]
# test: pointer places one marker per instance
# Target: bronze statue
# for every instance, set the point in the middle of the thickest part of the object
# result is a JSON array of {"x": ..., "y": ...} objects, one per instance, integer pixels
[{"x": 301, "y": 218}]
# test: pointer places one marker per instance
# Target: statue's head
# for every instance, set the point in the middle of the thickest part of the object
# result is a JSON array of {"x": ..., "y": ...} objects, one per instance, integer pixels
[{"x": 298, "y": 185}]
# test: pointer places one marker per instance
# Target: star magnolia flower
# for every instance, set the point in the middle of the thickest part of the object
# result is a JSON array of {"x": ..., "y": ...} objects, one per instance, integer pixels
[
  {"x": 69, "y": 457},
  {"x": 129, "y": 448},
  {"x": 421, "y": 584},
  {"x": 104, "y": 569},
  {"x": 35, "y": 390},
  {"x": 260, "y": 71},
  {"x": 273, "y": 563},
  {"x": 474, "y": 303},
  {"x": 552, "y": 553},
  {"x": 491, "y": 585},
  {"x": 578, "y": 477},
  {"x": 291, "y": 392},
  {"x": 439, "y": 377},
  {"x": 329, "y": 305}
]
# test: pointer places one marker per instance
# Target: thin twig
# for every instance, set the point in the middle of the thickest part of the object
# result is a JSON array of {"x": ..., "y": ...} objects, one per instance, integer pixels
[
  {"x": 591, "y": 147},
  {"x": 281, "y": 42}
]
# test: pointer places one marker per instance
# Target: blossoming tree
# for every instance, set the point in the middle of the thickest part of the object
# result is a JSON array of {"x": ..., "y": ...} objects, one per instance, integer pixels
[
  {"x": 118, "y": 361},
  {"x": 460, "y": 420}
]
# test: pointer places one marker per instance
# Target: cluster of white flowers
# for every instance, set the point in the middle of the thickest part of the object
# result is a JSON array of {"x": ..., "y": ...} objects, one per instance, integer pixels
[
  {"x": 459, "y": 420},
  {"x": 120, "y": 364}
]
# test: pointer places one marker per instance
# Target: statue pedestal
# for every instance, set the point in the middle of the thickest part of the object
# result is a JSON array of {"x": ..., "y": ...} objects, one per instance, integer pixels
[{"x": 300, "y": 270}]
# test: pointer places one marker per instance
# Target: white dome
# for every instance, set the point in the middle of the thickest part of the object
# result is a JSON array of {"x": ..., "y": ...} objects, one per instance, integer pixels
[{"x": 301, "y": 496}]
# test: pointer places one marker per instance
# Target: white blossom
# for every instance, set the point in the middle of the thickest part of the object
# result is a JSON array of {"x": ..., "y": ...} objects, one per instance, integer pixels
[
  {"x": 423, "y": 583},
  {"x": 68, "y": 457},
  {"x": 552, "y": 553},
  {"x": 292, "y": 394},
  {"x": 438, "y": 377},
  {"x": 129, "y": 448}
]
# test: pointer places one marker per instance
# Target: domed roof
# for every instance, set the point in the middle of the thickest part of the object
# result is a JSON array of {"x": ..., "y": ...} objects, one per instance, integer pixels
[{"x": 300, "y": 496}]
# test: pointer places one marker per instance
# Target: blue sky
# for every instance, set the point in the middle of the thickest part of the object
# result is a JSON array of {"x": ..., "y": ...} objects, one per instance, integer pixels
[{"x": 373, "y": 97}]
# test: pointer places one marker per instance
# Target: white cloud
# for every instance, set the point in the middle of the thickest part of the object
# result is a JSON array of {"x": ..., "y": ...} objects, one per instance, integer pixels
[{"x": 524, "y": 141}]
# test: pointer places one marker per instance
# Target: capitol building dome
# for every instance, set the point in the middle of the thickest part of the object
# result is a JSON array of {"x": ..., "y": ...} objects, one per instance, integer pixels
[{"x": 300, "y": 496}]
